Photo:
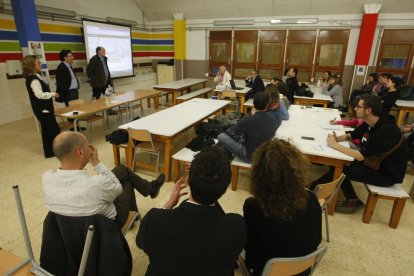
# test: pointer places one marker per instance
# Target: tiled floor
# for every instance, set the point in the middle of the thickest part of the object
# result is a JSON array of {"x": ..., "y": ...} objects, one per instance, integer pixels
[{"x": 355, "y": 248}]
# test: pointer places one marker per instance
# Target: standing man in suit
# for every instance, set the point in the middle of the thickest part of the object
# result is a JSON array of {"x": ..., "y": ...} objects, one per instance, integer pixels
[
  {"x": 255, "y": 82},
  {"x": 197, "y": 237},
  {"x": 67, "y": 84},
  {"x": 98, "y": 72}
]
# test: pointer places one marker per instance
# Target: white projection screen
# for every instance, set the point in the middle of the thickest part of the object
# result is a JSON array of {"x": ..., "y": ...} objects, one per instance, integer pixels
[{"x": 116, "y": 40}]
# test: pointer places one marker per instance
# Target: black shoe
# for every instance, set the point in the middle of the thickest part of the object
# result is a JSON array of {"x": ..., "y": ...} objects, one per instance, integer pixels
[
  {"x": 79, "y": 128},
  {"x": 49, "y": 155},
  {"x": 350, "y": 206},
  {"x": 156, "y": 185}
]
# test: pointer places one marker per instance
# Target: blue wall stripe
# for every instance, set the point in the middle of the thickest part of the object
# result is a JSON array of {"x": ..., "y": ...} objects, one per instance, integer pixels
[
  {"x": 62, "y": 38},
  {"x": 153, "y": 42},
  {"x": 6, "y": 35}
]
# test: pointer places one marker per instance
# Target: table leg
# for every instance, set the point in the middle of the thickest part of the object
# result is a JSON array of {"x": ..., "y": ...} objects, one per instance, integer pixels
[
  {"x": 176, "y": 169},
  {"x": 337, "y": 174},
  {"x": 149, "y": 102},
  {"x": 175, "y": 95},
  {"x": 156, "y": 102},
  {"x": 117, "y": 157},
  {"x": 242, "y": 101},
  {"x": 128, "y": 154},
  {"x": 325, "y": 105},
  {"x": 400, "y": 119},
  {"x": 167, "y": 158}
]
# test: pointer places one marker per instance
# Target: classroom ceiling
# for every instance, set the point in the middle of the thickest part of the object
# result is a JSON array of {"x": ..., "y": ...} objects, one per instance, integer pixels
[{"x": 156, "y": 10}]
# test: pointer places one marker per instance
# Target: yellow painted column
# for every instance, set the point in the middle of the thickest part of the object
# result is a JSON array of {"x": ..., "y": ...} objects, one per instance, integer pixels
[{"x": 180, "y": 50}]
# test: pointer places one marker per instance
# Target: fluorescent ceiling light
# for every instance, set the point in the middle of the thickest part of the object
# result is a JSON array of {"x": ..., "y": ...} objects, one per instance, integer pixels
[
  {"x": 294, "y": 21},
  {"x": 55, "y": 11},
  {"x": 233, "y": 22},
  {"x": 121, "y": 21}
]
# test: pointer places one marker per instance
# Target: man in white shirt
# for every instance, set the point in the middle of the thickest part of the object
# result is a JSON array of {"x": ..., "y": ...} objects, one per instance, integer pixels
[
  {"x": 223, "y": 77},
  {"x": 71, "y": 191}
]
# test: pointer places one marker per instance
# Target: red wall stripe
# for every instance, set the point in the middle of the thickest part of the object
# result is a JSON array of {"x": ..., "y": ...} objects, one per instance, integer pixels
[
  {"x": 153, "y": 54},
  {"x": 55, "y": 56},
  {"x": 366, "y": 38},
  {"x": 10, "y": 56}
]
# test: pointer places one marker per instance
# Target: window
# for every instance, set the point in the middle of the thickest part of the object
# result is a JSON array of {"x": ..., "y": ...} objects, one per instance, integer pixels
[
  {"x": 271, "y": 52},
  {"x": 245, "y": 51},
  {"x": 219, "y": 50}
]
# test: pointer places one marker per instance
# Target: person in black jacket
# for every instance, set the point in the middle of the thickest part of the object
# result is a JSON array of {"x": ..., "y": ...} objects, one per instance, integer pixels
[
  {"x": 67, "y": 84},
  {"x": 283, "y": 218},
  {"x": 292, "y": 84},
  {"x": 255, "y": 82},
  {"x": 389, "y": 97},
  {"x": 197, "y": 237},
  {"x": 41, "y": 102},
  {"x": 98, "y": 72}
]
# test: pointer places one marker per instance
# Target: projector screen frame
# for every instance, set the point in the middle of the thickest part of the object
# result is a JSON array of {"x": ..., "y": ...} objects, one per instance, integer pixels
[{"x": 115, "y": 24}]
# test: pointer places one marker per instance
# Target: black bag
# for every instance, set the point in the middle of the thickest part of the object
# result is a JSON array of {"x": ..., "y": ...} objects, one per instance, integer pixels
[
  {"x": 304, "y": 91},
  {"x": 117, "y": 137},
  {"x": 211, "y": 130},
  {"x": 406, "y": 93},
  {"x": 200, "y": 142}
]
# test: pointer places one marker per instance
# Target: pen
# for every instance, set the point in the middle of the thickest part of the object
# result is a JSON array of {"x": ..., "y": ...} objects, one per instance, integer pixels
[{"x": 334, "y": 119}]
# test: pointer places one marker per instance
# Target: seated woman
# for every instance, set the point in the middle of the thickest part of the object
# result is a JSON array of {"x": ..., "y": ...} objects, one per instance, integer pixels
[
  {"x": 325, "y": 78},
  {"x": 334, "y": 89},
  {"x": 391, "y": 96},
  {"x": 283, "y": 218},
  {"x": 276, "y": 106},
  {"x": 366, "y": 88}
]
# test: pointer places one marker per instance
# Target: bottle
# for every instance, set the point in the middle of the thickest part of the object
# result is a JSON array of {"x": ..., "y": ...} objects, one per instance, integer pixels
[
  {"x": 107, "y": 96},
  {"x": 319, "y": 83}
]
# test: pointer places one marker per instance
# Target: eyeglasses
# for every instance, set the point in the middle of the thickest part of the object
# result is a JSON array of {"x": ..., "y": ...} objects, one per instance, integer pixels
[{"x": 358, "y": 106}]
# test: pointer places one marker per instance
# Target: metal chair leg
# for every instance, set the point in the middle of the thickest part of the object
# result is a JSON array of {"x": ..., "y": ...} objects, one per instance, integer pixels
[
  {"x": 327, "y": 224},
  {"x": 158, "y": 163},
  {"x": 133, "y": 161}
]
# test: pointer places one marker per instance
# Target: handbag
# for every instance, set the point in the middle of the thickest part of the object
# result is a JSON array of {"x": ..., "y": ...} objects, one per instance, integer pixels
[{"x": 374, "y": 161}]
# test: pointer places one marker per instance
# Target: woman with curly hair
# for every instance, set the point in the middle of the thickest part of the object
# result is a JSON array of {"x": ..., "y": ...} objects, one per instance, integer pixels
[{"x": 283, "y": 218}]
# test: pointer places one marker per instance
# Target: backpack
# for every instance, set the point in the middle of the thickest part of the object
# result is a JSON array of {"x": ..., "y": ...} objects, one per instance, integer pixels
[{"x": 304, "y": 91}]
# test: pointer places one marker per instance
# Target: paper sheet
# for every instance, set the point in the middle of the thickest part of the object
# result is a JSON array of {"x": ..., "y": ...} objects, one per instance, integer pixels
[
  {"x": 71, "y": 113},
  {"x": 328, "y": 126}
]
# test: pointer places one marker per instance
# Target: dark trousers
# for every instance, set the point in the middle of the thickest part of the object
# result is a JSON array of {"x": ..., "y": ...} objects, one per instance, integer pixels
[
  {"x": 356, "y": 172},
  {"x": 50, "y": 129},
  {"x": 126, "y": 201},
  {"x": 73, "y": 95},
  {"x": 98, "y": 91}
]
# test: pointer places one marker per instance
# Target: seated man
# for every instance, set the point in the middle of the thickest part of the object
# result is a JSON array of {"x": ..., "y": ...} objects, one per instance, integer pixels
[
  {"x": 223, "y": 77},
  {"x": 255, "y": 82},
  {"x": 378, "y": 135},
  {"x": 197, "y": 237},
  {"x": 71, "y": 191},
  {"x": 254, "y": 130}
]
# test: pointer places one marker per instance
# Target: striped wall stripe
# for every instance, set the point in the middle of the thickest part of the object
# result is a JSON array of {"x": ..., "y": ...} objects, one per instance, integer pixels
[
  {"x": 153, "y": 48},
  {"x": 8, "y": 35},
  {"x": 9, "y": 46},
  {"x": 78, "y": 47},
  {"x": 153, "y": 54},
  {"x": 62, "y": 38},
  {"x": 10, "y": 56},
  {"x": 55, "y": 56},
  {"x": 7, "y": 24},
  {"x": 152, "y": 35},
  {"x": 59, "y": 29}
]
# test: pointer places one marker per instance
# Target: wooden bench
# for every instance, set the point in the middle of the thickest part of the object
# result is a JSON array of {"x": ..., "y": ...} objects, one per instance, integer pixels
[
  {"x": 236, "y": 165},
  {"x": 194, "y": 94},
  {"x": 394, "y": 193}
]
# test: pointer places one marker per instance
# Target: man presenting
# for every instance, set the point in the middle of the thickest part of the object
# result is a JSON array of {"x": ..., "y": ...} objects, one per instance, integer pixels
[
  {"x": 98, "y": 72},
  {"x": 255, "y": 82},
  {"x": 71, "y": 191},
  {"x": 378, "y": 135},
  {"x": 67, "y": 84},
  {"x": 223, "y": 77}
]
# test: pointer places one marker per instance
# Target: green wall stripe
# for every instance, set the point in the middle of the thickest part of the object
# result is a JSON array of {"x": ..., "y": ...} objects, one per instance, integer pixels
[
  {"x": 78, "y": 47},
  {"x": 7, "y": 46},
  {"x": 152, "y": 48}
]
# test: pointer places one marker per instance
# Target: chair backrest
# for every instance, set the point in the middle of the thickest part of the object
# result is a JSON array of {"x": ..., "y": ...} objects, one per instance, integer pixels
[
  {"x": 142, "y": 135},
  {"x": 76, "y": 102},
  {"x": 228, "y": 94},
  {"x": 293, "y": 266},
  {"x": 328, "y": 191}
]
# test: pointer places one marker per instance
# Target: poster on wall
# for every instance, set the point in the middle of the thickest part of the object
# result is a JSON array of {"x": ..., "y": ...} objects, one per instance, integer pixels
[{"x": 36, "y": 48}]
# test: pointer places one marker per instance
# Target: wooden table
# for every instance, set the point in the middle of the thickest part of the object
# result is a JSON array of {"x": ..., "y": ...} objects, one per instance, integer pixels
[
  {"x": 242, "y": 93},
  {"x": 178, "y": 87},
  {"x": 88, "y": 108},
  {"x": 167, "y": 124},
  {"x": 8, "y": 261},
  {"x": 305, "y": 122},
  {"x": 403, "y": 107},
  {"x": 318, "y": 98}
]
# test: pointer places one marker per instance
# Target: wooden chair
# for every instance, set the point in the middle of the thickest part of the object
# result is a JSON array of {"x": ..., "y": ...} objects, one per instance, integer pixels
[
  {"x": 288, "y": 266},
  {"x": 90, "y": 118},
  {"x": 115, "y": 149},
  {"x": 146, "y": 144},
  {"x": 232, "y": 96},
  {"x": 394, "y": 193},
  {"x": 325, "y": 194},
  {"x": 132, "y": 217}
]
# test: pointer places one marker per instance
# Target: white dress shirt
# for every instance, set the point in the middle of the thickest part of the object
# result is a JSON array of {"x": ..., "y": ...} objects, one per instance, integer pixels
[
  {"x": 38, "y": 91},
  {"x": 74, "y": 81},
  {"x": 76, "y": 193},
  {"x": 223, "y": 79}
]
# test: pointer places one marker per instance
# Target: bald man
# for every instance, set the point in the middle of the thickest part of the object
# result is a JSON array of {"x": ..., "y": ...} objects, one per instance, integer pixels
[
  {"x": 223, "y": 77},
  {"x": 71, "y": 191}
]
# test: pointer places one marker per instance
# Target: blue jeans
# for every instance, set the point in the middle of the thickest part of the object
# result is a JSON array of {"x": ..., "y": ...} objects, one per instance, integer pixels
[{"x": 233, "y": 146}]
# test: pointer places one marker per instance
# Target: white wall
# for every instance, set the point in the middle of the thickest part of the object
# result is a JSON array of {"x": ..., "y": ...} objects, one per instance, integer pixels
[{"x": 196, "y": 45}]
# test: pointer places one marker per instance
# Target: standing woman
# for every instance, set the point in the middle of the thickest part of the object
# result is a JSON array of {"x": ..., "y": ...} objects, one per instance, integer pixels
[{"x": 41, "y": 101}]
